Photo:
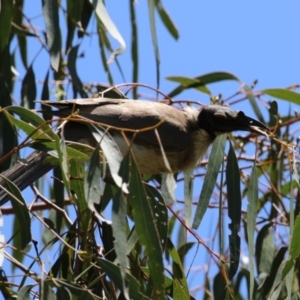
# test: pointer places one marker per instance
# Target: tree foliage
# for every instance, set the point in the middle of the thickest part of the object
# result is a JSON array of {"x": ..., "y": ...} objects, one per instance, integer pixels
[{"x": 143, "y": 248}]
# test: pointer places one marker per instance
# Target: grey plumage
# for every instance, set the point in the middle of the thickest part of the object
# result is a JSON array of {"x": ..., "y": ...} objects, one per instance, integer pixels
[{"x": 184, "y": 134}]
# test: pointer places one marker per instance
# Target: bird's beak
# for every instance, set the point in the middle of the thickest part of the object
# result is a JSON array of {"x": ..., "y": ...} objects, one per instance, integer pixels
[{"x": 216, "y": 120}]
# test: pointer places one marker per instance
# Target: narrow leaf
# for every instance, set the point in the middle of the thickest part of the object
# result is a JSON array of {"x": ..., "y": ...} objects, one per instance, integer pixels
[
  {"x": 111, "y": 153},
  {"x": 265, "y": 249},
  {"x": 188, "y": 195},
  {"x": 253, "y": 103},
  {"x": 134, "y": 46},
  {"x": 160, "y": 211},
  {"x": 283, "y": 94},
  {"x": 5, "y": 22},
  {"x": 103, "y": 15},
  {"x": 147, "y": 231},
  {"x": 28, "y": 90},
  {"x": 251, "y": 217},
  {"x": 113, "y": 272},
  {"x": 201, "y": 81},
  {"x": 166, "y": 19},
  {"x": 294, "y": 250},
  {"x": 151, "y": 7},
  {"x": 234, "y": 210},
  {"x": 77, "y": 84},
  {"x": 74, "y": 10},
  {"x": 21, "y": 212},
  {"x": 178, "y": 270},
  {"x": 119, "y": 228},
  {"x": 213, "y": 167},
  {"x": 50, "y": 12}
]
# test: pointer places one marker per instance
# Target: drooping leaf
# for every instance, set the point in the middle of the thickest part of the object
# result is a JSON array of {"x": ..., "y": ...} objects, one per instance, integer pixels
[
  {"x": 74, "y": 11},
  {"x": 188, "y": 195},
  {"x": 253, "y": 103},
  {"x": 178, "y": 270},
  {"x": 20, "y": 211},
  {"x": 5, "y": 23},
  {"x": 264, "y": 249},
  {"x": 251, "y": 217},
  {"x": 166, "y": 19},
  {"x": 294, "y": 249},
  {"x": 111, "y": 153},
  {"x": 120, "y": 235},
  {"x": 213, "y": 167},
  {"x": 113, "y": 272},
  {"x": 151, "y": 11},
  {"x": 50, "y": 12},
  {"x": 234, "y": 210},
  {"x": 77, "y": 84},
  {"x": 160, "y": 212},
  {"x": 103, "y": 15},
  {"x": 28, "y": 91},
  {"x": 134, "y": 46},
  {"x": 146, "y": 230}
]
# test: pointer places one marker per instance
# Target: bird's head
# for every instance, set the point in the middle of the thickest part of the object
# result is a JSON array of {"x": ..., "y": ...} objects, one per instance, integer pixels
[{"x": 217, "y": 119}]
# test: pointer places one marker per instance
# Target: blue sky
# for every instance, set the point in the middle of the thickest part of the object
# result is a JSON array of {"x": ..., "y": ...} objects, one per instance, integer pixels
[{"x": 251, "y": 39}]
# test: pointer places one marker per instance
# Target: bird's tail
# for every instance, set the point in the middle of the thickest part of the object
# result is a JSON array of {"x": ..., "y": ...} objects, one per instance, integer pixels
[{"x": 23, "y": 174}]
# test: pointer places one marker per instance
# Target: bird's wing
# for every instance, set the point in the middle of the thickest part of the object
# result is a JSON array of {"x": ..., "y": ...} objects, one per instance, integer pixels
[{"x": 133, "y": 114}]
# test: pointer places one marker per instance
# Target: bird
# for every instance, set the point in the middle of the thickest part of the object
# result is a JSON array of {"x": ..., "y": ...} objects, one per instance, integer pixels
[{"x": 184, "y": 136}]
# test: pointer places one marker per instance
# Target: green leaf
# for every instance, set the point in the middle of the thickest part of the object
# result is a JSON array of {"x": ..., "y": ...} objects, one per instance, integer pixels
[
  {"x": 113, "y": 272},
  {"x": 213, "y": 167},
  {"x": 289, "y": 264},
  {"x": 179, "y": 292},
  {"x": 234, "y": 210},
  {"x": 265, "y": 249},
  {"x": 5, "y": 22},
  {"x": 92, "y": 186},
  {"x": 28, "y": 90},
  {"x": 23, "y": 293},
  {"x": 160, "y": 212},
  {"x": 134, "y": 46},
  {"x": 146, "y": 229},
  {"x": 166, "y": 19},
  {"x": 219, "y": 286},
  {"x": 283, "y": 94},
  {"x": 188, "y": 195},
  {"x": 20, "y": 211},
  {"x": 294, "y": 250},
  {"x": 253, "y": 103},
  {"x": 77, "y": 84},
  {"x": 27, "y": 128},
  {"x": 251, "y": 217},
  {"x": 45, "y": 96},
  {"x": 32, "y": 118},
  {"x": 187, "y": 83},
  {"x": 119, "y": 225},
  {"x": 50, "y": 12},
  {"x": 273, "y": 108},
  {"x": 178, "y": 270},
  {"x": 103, "y": 15},
  {"x": 111, "y": 152},
  {"x": 74, "y": 10},
  {"x": 201, "y": 81},
  {"x": 77, "y": 291},
  {"x": 151, "y": 11}
]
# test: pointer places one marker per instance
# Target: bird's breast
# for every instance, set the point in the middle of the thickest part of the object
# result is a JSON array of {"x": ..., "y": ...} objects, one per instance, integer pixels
[{"x": 150, "y": 160}]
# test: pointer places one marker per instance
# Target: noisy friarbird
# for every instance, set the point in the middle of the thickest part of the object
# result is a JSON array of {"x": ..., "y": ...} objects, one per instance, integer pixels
[{"x": 185, "y": 135}]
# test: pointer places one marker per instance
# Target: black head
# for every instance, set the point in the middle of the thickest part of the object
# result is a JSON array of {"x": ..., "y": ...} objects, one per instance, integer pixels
[{"x": 217, "y": 119}]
